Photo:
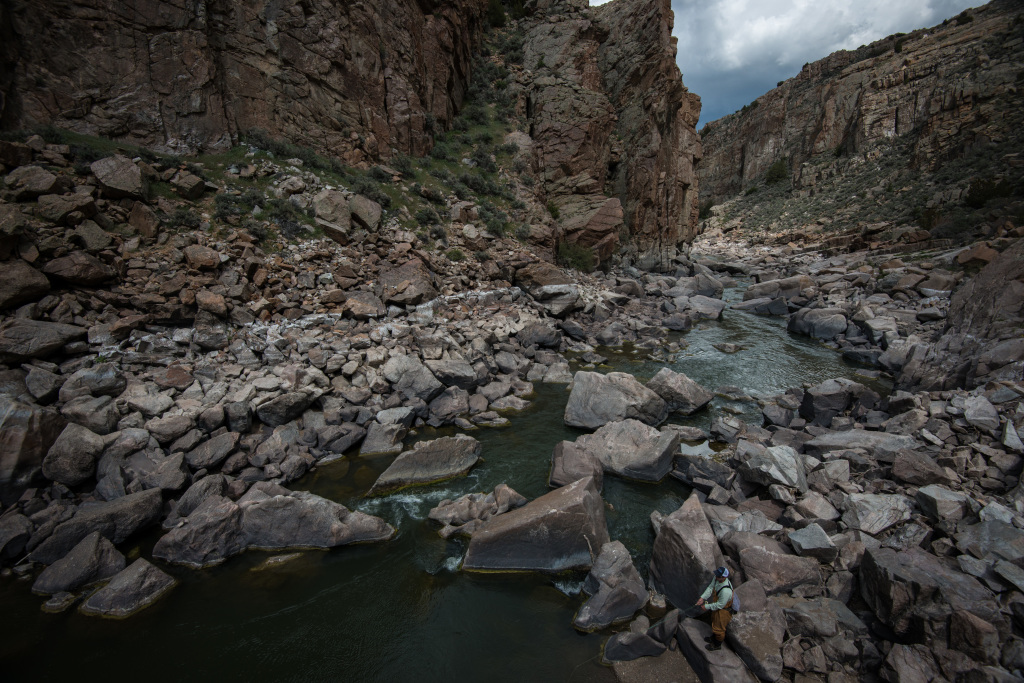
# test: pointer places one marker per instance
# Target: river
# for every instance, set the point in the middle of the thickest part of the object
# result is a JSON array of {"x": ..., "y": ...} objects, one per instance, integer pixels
[{"x": 401, "y": 611}]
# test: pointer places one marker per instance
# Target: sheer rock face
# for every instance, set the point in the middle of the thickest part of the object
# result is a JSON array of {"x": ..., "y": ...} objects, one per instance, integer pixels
[
  {"x": 356, "y": 78},
  {"x": 609, "y": 115},
  {"x": 943, "y": 87}
]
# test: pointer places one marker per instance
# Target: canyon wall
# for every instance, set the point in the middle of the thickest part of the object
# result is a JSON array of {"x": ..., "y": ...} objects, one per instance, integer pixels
[
  {"x": 357, "y": 78},
  {"x": 613, "y": 126},
  {"x": 948, "y": 88}
]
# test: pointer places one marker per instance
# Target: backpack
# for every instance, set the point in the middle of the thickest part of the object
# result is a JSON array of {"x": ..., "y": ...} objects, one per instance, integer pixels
[{"x": 735, "y": 600}]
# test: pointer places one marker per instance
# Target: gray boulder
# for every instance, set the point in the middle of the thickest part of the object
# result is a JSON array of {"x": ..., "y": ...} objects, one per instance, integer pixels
[
  {"x": 20, "y": 283},
  {"x": 685, "y": 553},
  {"x": 383, "y": 438},
  {"x": 939, "y": 503},
  {"x": 812, "y": 541},
  {"x": 412, "y": 378},
  {"x": 777, "y": 572},
  {"x": 632, "y": 449},
  {"x": 680, "y": 393},
  {"x": 94, "y": 559},
  {"x": 119, "y": 177},
  {"x": 212, "y": 452},
  {"x": 907, "y": 588},
  {"x": 29, "y": 431},
  {"x": 22, "y": 339},
  {"x": 570, "y": 462},
  {"x": 429, "y": 462},
  {"x": 873, "y": 513},
  {"x": 757, "y": 637},
  {"x": 881, "y": 446},
  {"x": 72, "y": 458},
  {"x": 776, "y": 465},
  {"x": 132, "y": 589},
  {"x": 718, "y": 666},
  {"x": 820, "y": 323},
  {"x": 597, "y": 399},
  {"x": 453, "y": 373},
  {"x": 557, "y": 532},
  {"x": 116, "y": 520},
  {"x": 981, "y": 414},
  {"x": 617, "y": 591},
  {"x": 284, "y": 408}
]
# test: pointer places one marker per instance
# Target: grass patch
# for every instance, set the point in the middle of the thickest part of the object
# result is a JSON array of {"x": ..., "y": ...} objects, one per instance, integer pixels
[{"x": 576, "y": 257}]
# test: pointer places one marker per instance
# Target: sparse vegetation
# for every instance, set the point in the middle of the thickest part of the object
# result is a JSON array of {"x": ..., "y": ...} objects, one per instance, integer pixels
[
  {"x": 777, "y": 172},
  {"x": 553, "y": 210},
  {"x": 576, "y": 257}
]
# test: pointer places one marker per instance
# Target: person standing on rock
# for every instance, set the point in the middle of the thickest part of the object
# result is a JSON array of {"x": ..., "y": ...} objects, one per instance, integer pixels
[{"x": 719, "y": 592}]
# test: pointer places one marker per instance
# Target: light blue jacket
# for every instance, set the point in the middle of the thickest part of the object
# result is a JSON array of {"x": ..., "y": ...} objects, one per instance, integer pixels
[{"x": 724, "y": 596}]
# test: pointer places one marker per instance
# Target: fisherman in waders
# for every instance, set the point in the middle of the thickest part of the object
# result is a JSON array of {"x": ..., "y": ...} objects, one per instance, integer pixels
[{"x": 719, "y": 592}]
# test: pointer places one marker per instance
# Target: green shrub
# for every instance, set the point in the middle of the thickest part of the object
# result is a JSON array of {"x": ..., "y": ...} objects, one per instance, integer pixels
[
  {"x": 964, "y": 17},
  {"x": 427, "y": 216},
  {"x": 455, "y": 254},
  {"x": 380, "y": 175},
  {"x": 751, "y": 190},
  {"x": 553, "y": 210},
  {"x": 523, "y": 232},
  {"x": 482, "y": 157},
  {"x": 403, "y": 165},
  {"x": 984, "y": 189},
  {"x": 442, "y": 152},
  {"x": 184, "y": 218},
  {"x": 495, "y": 13},
  {"x": 370, "y": 189},
  {"x": 482, "y": 256},
  {"x": 576, "y": 257},
  {"x": 927, "y": 217},
  {"x": 777, "y": 172},
  {"x": 704, "y": 210},
  {"x": 509, "y": 148}
]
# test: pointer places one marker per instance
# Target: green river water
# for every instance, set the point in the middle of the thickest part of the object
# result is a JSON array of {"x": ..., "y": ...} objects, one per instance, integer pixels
[{"x": 401, "y": 611}]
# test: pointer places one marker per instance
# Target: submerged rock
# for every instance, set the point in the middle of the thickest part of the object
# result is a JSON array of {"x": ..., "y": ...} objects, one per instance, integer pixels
[
  {"x": 597, "y": 399},
  {"x": 559, "y": 531},
  {"x": 133, "y": 589},
  {"x": 429, "y": 462},
  {"x": 464, "y": 515}
]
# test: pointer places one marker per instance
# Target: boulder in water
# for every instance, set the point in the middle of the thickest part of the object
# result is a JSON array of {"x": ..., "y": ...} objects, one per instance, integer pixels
[
  {"x": 617, "y": 591},
  {"x": 685, "y": 553},
  {"x": 679, "y": 392},
  {"x": 94, "y": 559},
  {"x": 597, "y": 399},
  {"x": 429, "y": 462},
  {"x": 132, "y": 589},
  {"x": 559, "y": 531},
  {"x": 632, "y": 449}
]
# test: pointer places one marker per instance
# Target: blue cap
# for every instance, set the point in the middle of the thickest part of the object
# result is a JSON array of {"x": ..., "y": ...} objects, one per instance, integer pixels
[{"x": 722, "y": 572}]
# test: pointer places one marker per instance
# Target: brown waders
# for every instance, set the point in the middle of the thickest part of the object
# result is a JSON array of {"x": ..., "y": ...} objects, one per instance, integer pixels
[{"x": 720, "y": 618}]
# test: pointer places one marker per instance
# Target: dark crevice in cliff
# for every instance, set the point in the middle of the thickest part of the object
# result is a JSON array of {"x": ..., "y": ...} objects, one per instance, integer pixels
[{"x": 9, "y": 54}]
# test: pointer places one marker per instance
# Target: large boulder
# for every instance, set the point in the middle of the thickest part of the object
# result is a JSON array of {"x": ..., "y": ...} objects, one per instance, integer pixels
[
  {"x": 80, "y": 268},
  {"x": 820, "y": 323},
  {"x": 786, "y": 288},
  {"x": 365, "y": 212},
  {"x": 880, "y": 445},
  {"x": 685, "y": 553},
  {"x": 560, "y": 531},
  {"x": 680, "y": 393},
  {"x": 29, "y": 431},
  {"x": 632, "y": 449},
  {"x": 906, "y": 589},
  {"x": 115, "y": 520},
  {"x": 72, "y": 458},
  {"x": 411, "y": 378},
  {"x": 617, "y": 591},
  {"x": 429, "y": 462},
  {"x": 778, "y": 572},
  {"x": 94, "y": 559},
  {"x": 28, "y": 182},
  {"x": 776, "y": 465},
  {"x": 284, "y": 408},
  {"x": 717, "y": 666},
  {"x": 540, "y": 274},
  {"x": 597, "y": 399},
  {"x": 268, "y": 517},
  {"x": 119, "y": 177},
  {"x": 134, "y": 588},
  {"x": 757, "y": 637},
  {"x": 570, "y": 462},
  {"x": 22, "y": 339},
  {"x": 873, "y": 513},
  {"x": 20, "y": 283},
  {"x": 453, "y": 373},
  {"x": 333, "y": 214},
  {"x": 824, "y": 401},
  {"x": 410, "y": 284},
  {"x": 103, "y": 379}
]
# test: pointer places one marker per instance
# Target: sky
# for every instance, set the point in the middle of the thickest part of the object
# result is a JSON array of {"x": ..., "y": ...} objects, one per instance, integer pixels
[{"x": 732, "y": 51}]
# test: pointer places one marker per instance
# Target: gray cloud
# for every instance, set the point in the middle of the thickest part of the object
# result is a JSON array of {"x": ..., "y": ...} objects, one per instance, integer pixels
[{"x": 732, "y": 51}]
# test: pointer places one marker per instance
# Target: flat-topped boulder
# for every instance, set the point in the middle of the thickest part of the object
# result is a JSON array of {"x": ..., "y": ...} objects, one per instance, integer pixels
[
  {"x": 94, "y": 559},
  {"x": 880, "y": 445},
  {"x": 559, "y": 531},
  {"x": 119, "y": 177},
  {"x": 22, "y": 339},
  {"x": 569, "y": 462},
  {"x": 134, "y": 588},
  {"x": 429, "y": 462},
  {"x": 597, "y": 399},
  {"x": 632, "y": 449}
]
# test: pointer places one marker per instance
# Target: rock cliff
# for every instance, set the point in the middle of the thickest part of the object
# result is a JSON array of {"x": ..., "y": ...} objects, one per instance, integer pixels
[
  {"x": 613, "y": 125},
  {"x": 356, "y": 78},
  {"x": 945, "y": 90}
]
